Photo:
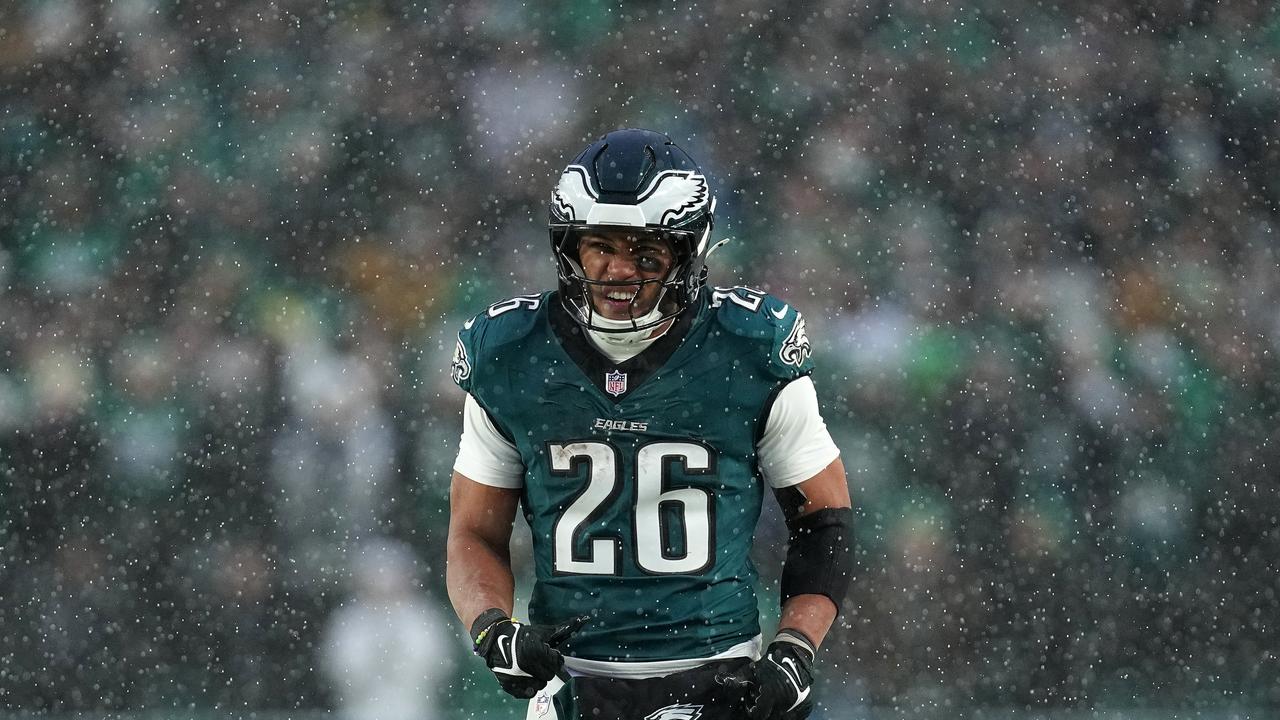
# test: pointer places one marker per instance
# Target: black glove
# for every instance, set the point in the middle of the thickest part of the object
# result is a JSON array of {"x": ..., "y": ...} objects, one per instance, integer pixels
[
  {"x": 523, "y": 657},
  {"x": 778, "y": 686}
]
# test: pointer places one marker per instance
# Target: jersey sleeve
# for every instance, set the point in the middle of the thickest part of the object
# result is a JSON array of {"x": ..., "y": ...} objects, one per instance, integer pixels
[
  {"x": 795, "y": 444},
  {"x": 791, "y": 356},
  {"x": 483, "y": 337},
  {"x": 463, "y": 355},
  {"x": 484, "y": 455},
  {"x": 486, "y": 452},
  {"x": 775, "y": 327}
]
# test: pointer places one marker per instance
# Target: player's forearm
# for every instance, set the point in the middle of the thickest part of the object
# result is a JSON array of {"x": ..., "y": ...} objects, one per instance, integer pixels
[
  {"x": 478, "y": 575},
  {"x": 810, "y": 614}
]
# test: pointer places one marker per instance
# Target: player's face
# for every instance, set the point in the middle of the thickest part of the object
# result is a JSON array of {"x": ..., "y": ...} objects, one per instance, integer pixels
[{"x": 624, "y": 258}]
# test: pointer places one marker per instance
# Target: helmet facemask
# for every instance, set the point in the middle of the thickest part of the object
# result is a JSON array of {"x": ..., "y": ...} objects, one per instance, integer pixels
[
  {"x": 675, "y": 288},
  {"x": 640, "y": 182}
]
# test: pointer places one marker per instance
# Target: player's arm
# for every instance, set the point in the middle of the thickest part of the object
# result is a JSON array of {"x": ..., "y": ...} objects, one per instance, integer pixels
[
  {"x": 478, "y": 570},
  {"x": 487, "y": 480},
  {"x": 801, "y": 462},
  {"x": 814, "y": 577},
  {"x": 816, "y": 571}
]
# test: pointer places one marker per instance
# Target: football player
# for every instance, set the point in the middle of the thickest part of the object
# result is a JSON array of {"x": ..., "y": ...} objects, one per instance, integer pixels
[{"x": 635, "y": 417}]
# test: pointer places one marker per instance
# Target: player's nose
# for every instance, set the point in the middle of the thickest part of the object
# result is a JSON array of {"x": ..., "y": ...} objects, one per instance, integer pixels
[{"x": 622, "y": 266}]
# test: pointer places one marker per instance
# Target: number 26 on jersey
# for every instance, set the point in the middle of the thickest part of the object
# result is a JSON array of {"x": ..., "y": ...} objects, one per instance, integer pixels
[{"x": 651, "y": 512}]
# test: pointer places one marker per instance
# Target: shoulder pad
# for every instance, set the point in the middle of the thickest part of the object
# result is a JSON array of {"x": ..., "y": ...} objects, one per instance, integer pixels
[
  {"x": 758, "y": 315},
  {"x": 500, "y": 324}
]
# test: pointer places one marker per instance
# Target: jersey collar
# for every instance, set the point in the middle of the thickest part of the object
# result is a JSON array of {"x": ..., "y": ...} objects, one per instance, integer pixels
[{"x": 595, "y": 365}]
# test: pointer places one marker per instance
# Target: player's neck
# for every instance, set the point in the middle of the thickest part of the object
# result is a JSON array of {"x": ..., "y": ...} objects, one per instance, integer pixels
[{"x": 622, "y": 346}]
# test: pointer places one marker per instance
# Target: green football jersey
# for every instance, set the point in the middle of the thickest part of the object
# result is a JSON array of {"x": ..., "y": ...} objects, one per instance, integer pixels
[{"x": 641, "y": 480}]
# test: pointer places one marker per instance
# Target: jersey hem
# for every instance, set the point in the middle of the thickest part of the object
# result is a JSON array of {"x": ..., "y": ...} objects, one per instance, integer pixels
[{"x": 657, "y": 668}]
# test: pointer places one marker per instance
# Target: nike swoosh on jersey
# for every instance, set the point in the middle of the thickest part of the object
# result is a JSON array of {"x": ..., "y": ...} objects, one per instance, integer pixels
[
  {"x": 780, "y": 313},
  {"x": 467, "y": 325}
]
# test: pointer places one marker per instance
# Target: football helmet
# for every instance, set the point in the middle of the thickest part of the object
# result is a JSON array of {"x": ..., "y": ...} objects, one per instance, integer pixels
[{"x": 641, "y": 180}]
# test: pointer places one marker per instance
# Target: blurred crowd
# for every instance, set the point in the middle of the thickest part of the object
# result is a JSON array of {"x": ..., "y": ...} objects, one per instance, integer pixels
[{"x": 1036, "y": 244}]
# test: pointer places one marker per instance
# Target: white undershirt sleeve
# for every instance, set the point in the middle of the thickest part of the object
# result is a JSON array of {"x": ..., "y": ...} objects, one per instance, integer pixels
[
  {"x": 484, "y": 455},
  {"x": 795, "y": 445}
]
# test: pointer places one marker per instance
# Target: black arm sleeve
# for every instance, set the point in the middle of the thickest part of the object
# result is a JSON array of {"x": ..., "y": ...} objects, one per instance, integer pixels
[{"x": 819, "y": 555}]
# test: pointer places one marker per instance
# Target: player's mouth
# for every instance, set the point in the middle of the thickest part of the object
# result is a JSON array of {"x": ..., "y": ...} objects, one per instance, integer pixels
[{"x": 620, "y": 303}]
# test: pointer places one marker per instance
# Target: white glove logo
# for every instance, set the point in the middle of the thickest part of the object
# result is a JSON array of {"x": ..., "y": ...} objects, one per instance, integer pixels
[
  {"x": 506, "y": 646},
  {"x": 789, "y": 669}
]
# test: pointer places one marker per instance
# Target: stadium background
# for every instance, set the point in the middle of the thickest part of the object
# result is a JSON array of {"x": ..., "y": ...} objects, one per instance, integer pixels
[{"x": 1035, "y": 243}]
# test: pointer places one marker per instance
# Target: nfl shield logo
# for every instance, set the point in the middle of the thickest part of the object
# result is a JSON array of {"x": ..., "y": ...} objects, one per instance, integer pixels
[
  {"x": 615, "y": 383},
  {"x": 542, "y": 705}
]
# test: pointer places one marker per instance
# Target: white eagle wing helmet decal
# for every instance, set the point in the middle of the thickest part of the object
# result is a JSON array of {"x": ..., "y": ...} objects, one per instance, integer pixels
[
  {"x": 670, "y": 198},
  {"x": 574, "y": 197},
  {"x": 673, "y": 195}
]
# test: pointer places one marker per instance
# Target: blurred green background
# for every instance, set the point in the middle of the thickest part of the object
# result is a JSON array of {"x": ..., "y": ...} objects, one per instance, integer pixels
[{"x": 1035, "y": 243}]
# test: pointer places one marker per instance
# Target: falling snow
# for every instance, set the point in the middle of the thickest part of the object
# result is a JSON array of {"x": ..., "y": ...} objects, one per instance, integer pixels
[{"x": 1036, "y": 245}]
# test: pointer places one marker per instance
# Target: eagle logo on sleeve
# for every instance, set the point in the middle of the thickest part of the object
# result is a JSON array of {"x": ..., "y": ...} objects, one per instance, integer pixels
[
  {"x": 795, "y": 349},
  {"x": 460, "y": 368}
]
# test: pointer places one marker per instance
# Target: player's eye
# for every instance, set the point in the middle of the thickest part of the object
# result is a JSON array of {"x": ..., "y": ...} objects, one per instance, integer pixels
[{"x": 648, "y": 263}]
